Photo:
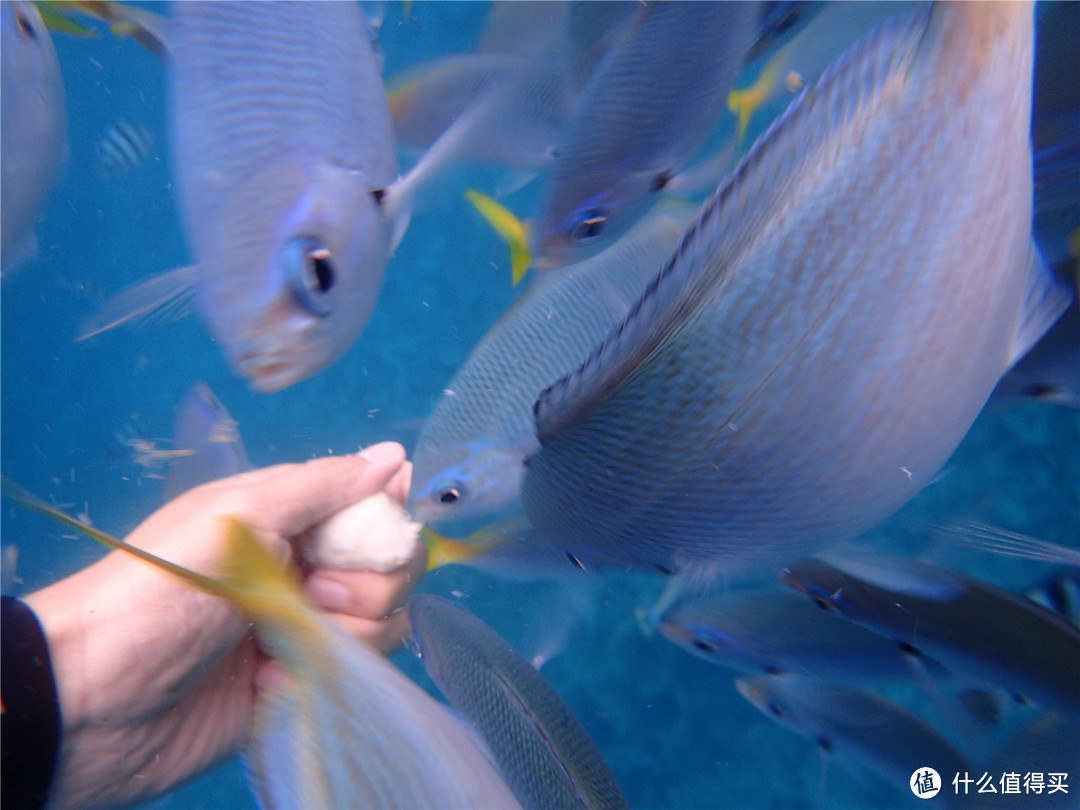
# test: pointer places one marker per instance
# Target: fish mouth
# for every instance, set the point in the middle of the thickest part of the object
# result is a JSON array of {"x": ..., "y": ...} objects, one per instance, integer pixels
[{"x": 267, "y": 373}]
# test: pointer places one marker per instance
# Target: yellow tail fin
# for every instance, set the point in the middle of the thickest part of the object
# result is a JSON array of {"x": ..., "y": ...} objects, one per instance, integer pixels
[
  {"x": 509, "y": 227},
  {"x": 747, "y": 101},
  {"x": 251, "y": 579},
  {"x": 443, "y": 550}
]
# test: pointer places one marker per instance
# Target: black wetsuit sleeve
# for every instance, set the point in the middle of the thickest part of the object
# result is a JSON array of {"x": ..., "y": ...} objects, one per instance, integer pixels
[{"x": 30, "y": 725}]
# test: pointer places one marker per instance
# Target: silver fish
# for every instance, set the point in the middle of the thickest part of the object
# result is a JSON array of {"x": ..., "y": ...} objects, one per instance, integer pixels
[
  {"x": 972, "y": 628},
  {"x": 33, "y": 126},
  {"x": 645, "y": 113},
  {"x": 831, "y": 324},
  {"x": 543, "y": 751},
  {"x": 772, "y": 631},
  {"x": 469, "y": 459},
  {"x": 854, "y": 723},
  {"x": 203, "y": 426},
  {"x": 283, "y": 145}
]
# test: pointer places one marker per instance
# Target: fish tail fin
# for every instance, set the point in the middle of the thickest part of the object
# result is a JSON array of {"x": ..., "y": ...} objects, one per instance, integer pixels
[
  {"x": 60, "y": 21},
  {"x": 746, "y": 101},
  {"x": 251, "y": 579},
  {"x": 1047, "y": 296},
  {"x": 443, "y": 550},
  {"x": 148, "y": 28},
  {"x": 26, "y": 498},
  {"x": 509, "y": 227}
]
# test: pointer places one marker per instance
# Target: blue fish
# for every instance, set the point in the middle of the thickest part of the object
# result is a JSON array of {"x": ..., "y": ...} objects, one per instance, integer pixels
[
  {"x": 855, "y": 724},
  {"x": 33, "y": 127},
  {"x": 830, "y": 325},
  {"x": 770, "y": 630},
  {"x": 543, "y": 751},
  {"x": 283, "y": 149},
  {"x": 470, "y": 458},
  {"x": 646, "y": 112},
  {"x": 974, "y": 629}
]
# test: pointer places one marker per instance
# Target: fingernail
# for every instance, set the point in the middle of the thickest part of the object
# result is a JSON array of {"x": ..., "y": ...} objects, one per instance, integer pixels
[
  {"x": 328, "y": 594},
  {"x": 382, "y": 452}
]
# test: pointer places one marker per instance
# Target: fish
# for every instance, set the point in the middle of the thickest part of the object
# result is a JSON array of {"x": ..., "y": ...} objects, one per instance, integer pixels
[
  {"x": 647, "y": 110},
  {"x": 203, "y": 425},
  {"x": 855, "y": 724},
  {"x": 349, "y": 729},
  {"x": 123, "y": 147},
  {"x": 972, "y": 628},
  {"x": 544, "y": 752},
  {"x": 284, "y": 213},
  {"x": 33, "y": 128},
  {"x": 469, "y": 459},
  {"x": 803, "y": 365},
  {"x": 770, "y": 630}
]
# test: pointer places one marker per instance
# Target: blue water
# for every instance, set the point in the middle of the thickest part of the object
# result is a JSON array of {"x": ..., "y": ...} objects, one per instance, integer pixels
[{"x": 672, "y": 727}]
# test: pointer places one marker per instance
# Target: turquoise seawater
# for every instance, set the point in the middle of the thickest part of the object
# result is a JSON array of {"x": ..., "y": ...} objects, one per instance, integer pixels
[{"x": 672, "y": 727}]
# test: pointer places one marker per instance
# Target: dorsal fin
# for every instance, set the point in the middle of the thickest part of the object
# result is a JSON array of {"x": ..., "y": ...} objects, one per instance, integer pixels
[{"x": 850, "y": 92}]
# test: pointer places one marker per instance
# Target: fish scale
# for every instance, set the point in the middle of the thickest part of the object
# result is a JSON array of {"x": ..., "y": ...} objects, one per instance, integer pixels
[
  {"x": 476, "y": 439},
  {"x": 543, "y": 752},
  {"x": 803, "y": 366}
]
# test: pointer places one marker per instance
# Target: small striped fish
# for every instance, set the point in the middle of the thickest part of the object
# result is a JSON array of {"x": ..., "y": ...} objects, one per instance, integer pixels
[{"x": 123, "y": 147}]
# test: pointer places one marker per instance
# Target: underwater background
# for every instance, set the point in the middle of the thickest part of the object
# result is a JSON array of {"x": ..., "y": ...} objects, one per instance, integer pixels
[{"x": 672, "y": 727}]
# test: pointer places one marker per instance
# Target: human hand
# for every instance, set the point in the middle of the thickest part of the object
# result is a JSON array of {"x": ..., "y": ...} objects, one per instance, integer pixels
[{"x": 156, "y": 680}]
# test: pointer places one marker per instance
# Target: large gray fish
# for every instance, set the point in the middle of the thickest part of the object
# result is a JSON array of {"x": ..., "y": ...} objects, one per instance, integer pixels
[
  {"x": 854, "y": 723},
  {"x": 283, "y": 146},
  {"x": 469, "y": 459},
  {"x": 771, "y": 630},
  {"x": 972, "y": 628},
  {"x": 349, "y": 729},
  {"x": 543, "y": 751},
  {"x": 33, "y": 126},
  {"x": 645, "y": 113},
  {"x": 830, "y": 325}
]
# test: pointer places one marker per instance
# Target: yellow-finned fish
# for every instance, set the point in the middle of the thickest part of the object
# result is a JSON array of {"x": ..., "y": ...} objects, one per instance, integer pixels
[{"x": 349, "y": 729}]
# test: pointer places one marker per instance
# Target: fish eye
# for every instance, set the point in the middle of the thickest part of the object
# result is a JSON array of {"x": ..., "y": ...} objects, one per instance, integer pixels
[
  {"x": 575, "y": 561},
  {"x": 824, "y": 604},
  {"x": 703, "y": 645},
  {"x": 311, "y": 273},
  {"x": 25, "y": 26},
  {"x": 775, "y": 709},
  {"x": 378, "y": 194},
  {"x": 449, "y": 495},
  {"x": 590, "y": 227}
]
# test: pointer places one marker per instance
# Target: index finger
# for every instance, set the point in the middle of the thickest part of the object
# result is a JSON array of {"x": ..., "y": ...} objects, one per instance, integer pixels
[{"x": 292, "y": 498}]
